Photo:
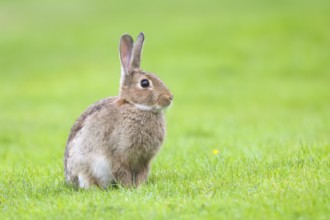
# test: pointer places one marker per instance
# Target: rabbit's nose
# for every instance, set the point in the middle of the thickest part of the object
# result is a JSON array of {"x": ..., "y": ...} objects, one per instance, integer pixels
[{"x": 170, "y": 97}]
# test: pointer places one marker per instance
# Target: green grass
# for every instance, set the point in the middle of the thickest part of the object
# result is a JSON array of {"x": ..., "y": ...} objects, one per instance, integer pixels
[{"x": 250, "y": 79}]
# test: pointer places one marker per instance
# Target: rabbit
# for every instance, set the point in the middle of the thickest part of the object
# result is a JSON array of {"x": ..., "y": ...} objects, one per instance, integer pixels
[{"x": 115, "y": 139}]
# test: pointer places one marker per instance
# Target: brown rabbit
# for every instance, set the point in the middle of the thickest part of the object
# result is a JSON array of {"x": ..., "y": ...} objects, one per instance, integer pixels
[{"x": 116, "y": 138}]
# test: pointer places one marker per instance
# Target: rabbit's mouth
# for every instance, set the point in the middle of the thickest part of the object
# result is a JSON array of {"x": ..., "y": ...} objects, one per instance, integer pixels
[{"x": 164, "y": 101}]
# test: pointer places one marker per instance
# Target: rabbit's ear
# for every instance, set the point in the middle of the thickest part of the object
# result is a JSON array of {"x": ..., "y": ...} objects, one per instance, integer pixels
[
  {"x": 125, "y": 51},
  {"x": 137, "y": 50}
]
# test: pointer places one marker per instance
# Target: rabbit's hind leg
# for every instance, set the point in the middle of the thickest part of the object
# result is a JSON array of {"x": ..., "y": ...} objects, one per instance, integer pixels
[
  {"x": 85, "y": 181},
  {"x": 101, "y": 171}
]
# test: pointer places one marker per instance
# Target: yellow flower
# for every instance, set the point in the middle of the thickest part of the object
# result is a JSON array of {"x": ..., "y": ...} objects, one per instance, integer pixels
[{"x": 215, "y": 152}]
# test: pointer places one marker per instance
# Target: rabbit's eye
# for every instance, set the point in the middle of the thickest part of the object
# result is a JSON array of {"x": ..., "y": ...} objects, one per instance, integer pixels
[{"x": 145, "y": 83}]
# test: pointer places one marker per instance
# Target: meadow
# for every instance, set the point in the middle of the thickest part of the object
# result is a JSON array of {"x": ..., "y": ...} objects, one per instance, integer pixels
[{"x": 248, "y": 135}]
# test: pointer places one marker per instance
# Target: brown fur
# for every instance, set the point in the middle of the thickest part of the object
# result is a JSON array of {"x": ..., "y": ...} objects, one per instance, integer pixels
[
  {"x": 120, "y": 102},
  {"x": 115, "y": 139}
]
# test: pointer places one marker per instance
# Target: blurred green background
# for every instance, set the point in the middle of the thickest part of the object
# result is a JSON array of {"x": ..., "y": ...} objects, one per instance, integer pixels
[{"x": 250, "y": 78}]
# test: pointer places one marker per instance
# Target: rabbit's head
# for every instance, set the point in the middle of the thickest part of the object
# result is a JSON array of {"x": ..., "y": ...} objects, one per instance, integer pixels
[{"x": 142, "y": 89}]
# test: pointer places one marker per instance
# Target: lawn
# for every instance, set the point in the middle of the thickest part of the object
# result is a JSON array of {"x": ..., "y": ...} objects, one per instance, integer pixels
[{"x": 248, "y": 135}]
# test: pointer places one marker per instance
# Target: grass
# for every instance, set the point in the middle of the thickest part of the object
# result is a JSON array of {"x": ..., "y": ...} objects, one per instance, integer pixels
[{"x": 250, "y": 79}]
